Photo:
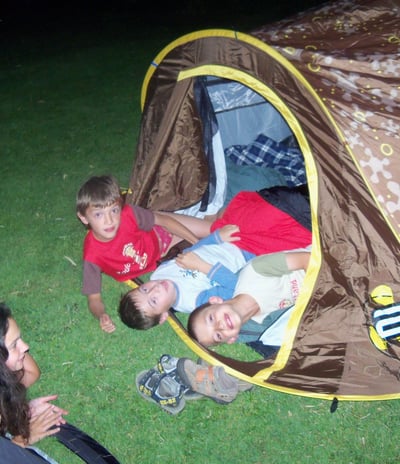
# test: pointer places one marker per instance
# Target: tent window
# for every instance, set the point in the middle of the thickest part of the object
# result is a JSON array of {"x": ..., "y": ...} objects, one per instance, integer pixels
[{"x": 238, "y": 121}]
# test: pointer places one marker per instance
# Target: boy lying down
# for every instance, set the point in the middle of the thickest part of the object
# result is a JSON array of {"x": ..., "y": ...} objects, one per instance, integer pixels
[
  {"x": 267, "y": 283},
  {"x": 249, "y": 226}
]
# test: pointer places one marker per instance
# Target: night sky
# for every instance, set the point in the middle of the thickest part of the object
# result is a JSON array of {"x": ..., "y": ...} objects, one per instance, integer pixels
[{"x": 196, "y": 13}]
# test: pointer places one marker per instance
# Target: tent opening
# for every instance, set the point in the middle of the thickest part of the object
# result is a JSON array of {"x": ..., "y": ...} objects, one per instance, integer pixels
[{"x": 248, "y": 143}]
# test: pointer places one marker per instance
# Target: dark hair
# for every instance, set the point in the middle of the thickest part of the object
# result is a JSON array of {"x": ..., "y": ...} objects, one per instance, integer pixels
[
  {"x": 99, "y": 191},
  {"x": 132, "y": 316},
  {"x": 192, "y": 320},
  {"x": 14, "y": 407}
]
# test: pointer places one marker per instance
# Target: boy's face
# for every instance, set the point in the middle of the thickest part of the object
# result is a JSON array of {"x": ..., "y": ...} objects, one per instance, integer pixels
[
  {"x": 103, "y": 221},
  {"x": 155, "y": 297},
  {"x": 217, "y": 323}
]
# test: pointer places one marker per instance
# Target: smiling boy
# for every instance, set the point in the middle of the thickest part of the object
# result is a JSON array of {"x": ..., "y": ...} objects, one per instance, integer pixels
[{"x": 267, "y": 283}]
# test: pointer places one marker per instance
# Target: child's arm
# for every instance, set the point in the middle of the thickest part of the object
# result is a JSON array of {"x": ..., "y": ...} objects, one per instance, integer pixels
[
  {"x": 193, "y": 262},
  {"x": 227, "y": 233},
  {"x": 174, "y": 227},
  {"x": 199, "y": 227},
  {"x": 97, "y": 308},
  {"x": 278, "y": 264},
  {"x": 297, "y": 260},
  {"x": 217, "y": 272}
]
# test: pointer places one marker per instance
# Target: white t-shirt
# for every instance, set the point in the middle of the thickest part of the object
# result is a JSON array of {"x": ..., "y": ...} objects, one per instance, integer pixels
[
  {"x": 258, "y": 279},
  {"x": 190, "y": 283}
]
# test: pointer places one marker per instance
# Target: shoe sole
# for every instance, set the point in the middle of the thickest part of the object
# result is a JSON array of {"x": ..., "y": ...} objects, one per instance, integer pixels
[{"x": 174, "y": 410}]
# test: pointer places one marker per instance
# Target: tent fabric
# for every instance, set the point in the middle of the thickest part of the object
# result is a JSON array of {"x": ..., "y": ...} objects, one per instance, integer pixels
[{"x": 333, "y": 75}]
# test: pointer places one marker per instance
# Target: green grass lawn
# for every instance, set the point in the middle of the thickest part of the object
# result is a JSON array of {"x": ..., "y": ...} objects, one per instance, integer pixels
[{"x": 70, "y": 109}]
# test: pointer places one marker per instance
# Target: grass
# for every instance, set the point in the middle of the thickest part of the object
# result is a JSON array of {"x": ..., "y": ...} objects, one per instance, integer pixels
[{"x": 70, "y": 109}]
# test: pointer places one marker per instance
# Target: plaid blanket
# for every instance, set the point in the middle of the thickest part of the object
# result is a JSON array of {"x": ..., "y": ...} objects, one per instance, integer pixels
[{"x": 265, "y": 152}]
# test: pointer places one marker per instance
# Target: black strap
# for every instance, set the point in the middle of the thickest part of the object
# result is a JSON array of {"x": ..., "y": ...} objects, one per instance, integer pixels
[{"x": 86, "y": 447}]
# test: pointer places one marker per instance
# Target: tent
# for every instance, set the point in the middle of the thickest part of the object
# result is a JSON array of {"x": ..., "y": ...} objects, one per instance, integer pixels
[{"x": 330, "y": 78}]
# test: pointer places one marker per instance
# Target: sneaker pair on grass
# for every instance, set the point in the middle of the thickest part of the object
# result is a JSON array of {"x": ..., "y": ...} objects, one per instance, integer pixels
[{"x": 173, "y": 381}]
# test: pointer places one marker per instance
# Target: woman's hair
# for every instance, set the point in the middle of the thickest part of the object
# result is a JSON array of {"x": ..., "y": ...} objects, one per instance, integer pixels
[{"x": 14, "y": 407}]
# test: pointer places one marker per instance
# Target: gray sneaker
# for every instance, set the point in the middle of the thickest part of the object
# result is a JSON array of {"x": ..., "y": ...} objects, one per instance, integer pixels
[
  {"x": 167, "y": 365},
  {"x": 162, "y": 390},
  {"x": 242, "y": 384},
  {"x": 211, "y": 381}
]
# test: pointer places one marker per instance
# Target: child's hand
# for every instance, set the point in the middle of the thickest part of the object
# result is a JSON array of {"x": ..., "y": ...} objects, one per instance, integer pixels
[
  {"x": 106, "y": 323},
  {"x": 226, "y": 233},
  {"x": 190, "y": 260}
]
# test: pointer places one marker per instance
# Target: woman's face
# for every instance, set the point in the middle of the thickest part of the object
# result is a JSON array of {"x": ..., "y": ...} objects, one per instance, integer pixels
[{"x": 16, "y": 346}]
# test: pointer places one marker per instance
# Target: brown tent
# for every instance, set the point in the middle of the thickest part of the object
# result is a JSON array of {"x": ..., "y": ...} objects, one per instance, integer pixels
[{"x": 333, "y": 75}]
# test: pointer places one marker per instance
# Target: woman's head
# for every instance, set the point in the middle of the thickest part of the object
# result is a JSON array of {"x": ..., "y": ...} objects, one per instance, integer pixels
[
  {"x": 12, "y": 347},
  {"x": 5, "y": 314},
  {"x": 14, "y": 408}
]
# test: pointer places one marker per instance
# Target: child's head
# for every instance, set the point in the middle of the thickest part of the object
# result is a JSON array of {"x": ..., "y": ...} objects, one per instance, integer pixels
[
  {"x": 98, "y": 206},
  {"x": 99, "y": 192},
  {"x": 214, "y": 323},
  {"x": 147, "y": 305}
]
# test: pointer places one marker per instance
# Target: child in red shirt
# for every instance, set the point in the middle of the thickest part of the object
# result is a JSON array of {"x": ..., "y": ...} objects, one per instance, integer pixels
[{"x": 124, "y": 241}]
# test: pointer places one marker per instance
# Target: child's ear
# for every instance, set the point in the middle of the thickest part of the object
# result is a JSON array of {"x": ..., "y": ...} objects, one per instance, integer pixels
[
  {"x": 231, "y": 340},
  {"x": 163, "y": 317},
  {"x": 215, "y": 300},
  {"x": 82, "y": 219}
]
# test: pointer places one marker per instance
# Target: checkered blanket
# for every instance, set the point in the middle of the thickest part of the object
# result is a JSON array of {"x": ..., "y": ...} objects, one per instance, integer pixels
[{"x": 265, "y": 152}]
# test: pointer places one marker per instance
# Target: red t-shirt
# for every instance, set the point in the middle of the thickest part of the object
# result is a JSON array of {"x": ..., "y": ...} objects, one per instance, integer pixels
[
  {"x": 263, "y": 227},
  {"x": 133, "y": 252}
]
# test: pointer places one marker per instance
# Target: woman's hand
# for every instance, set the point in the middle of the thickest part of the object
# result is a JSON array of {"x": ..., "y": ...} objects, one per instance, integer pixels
[
  {"x": 38, "y": 405},
  {"x": 46, "y": 418}
]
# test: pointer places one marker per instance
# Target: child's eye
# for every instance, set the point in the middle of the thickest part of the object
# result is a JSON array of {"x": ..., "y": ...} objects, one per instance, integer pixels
[
  {"x": 153, "y": 301},
  {"x": 218, "y": 337}
]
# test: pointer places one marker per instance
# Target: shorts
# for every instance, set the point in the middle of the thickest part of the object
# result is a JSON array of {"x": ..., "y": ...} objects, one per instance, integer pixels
[{"x": 164, "y": 239}]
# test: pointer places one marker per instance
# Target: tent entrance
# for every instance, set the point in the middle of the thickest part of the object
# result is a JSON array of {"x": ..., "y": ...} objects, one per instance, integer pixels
[{"x": 247, "y": 142}]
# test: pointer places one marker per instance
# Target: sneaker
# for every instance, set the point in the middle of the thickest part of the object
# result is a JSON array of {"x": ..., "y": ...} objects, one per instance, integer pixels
[
  {"x": 162, "y": 390},
  {"x": 242, "y": 384},
  {"x": 211, "y": 381},
  {"x": 167, "y": 365}
]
